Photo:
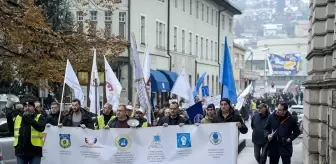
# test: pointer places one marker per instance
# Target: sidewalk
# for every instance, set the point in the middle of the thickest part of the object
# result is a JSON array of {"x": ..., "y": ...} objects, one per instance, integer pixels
[{"x": 247, "y": 155}]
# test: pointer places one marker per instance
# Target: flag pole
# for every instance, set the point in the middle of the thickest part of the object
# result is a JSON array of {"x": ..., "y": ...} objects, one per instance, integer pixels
[
  {"x": 96, "y": 94},
  {"x": 62, "y": 106}
]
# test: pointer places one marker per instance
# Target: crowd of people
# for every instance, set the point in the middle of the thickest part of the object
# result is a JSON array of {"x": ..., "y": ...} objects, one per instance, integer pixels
[{"x": 273, "y": 133}]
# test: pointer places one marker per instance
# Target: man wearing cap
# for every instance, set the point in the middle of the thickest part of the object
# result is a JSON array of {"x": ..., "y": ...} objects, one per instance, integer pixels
[
  {"x": 28, "y": 138},
  {"x": 139, "y": 115},
  {"x": 129, "y": 110},
  {"x": 106, "y": 116}
]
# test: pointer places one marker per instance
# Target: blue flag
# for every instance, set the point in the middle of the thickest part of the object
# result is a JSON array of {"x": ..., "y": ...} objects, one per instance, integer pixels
[
  {"x": 195, "y": 113},
  {"x": 198, "y": 85},
  {"x": 226, "y": 76}
]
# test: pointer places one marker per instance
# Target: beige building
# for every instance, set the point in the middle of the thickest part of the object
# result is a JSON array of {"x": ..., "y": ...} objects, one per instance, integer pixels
[
  {"x": 319, "y": 135},
  {"x": 301, "y": 28},
  {"x": 237, "y": 58}
]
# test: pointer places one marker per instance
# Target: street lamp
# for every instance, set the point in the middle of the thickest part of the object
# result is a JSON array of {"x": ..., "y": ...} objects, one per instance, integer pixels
[{"x": 266, "y": 49}]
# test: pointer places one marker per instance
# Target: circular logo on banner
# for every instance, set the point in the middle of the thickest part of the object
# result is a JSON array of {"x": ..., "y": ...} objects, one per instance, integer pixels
[
  {"x": 198, "y": 118},
  {"x": 123, "y": 142},
  {"x": 215, "y": 138}
]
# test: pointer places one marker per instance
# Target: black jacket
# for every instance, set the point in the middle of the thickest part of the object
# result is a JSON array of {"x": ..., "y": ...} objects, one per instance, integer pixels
[
  {"x": 233, "y": 117},
  {"x": 86, "y": 119},
  {"x": 113, "y": 122},
  {"x": 24, "y": 146},
  {"x": 278, "y": 146},
  {"x": 258, "y": 122},
  {"x": 52, "y": 119},
  {"x": 173, "y": 121}
]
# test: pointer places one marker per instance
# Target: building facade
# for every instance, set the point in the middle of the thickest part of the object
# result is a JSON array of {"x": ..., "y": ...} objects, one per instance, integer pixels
[
  {"x": 319, "y": 135},
  {"x": 278, "y": 46},
  {"x": 179, "y": 34},
  {"x": 239, "y": 64}
]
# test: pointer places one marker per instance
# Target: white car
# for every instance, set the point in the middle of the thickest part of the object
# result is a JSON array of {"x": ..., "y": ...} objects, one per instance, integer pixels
[
  {"x": 6, "y": 145},
  {"x": 299, "y": 110}
]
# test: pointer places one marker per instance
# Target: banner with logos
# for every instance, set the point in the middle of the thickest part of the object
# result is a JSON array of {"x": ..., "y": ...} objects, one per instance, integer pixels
[
  {"x": 206, "y": 143},
  {"x": 284, "y": 64}
]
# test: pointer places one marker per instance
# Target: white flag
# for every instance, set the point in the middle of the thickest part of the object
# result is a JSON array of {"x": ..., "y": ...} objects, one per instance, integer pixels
[
  {"x": 241, "y": 97},
  {"x": 113, "y": 86},
  {"x": 182, "y": 87},
  {"x": 138, "y": 75},
  {"x": 71, "y": 80},
  {"x": 146, "y": 72},
  {"x": 94, "y": 101}
]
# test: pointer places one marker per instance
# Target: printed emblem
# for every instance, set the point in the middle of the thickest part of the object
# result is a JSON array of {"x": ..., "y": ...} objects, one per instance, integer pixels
[{"x": 65, "y": 141}]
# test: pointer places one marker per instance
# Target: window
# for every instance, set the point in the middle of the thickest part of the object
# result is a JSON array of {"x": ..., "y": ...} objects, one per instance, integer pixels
[
  {"x": 216, "y": 18},
  {"x": 216, "y": 51},
  {"x": 223, "y": 22},
  {"x": 212, "y": 85},
  {"x": 183, "y": 41},
  {"x": 206, "y": 48},
  {"x": 230, "y": 25},
  {"x": 208, "y": 79},
  {"x": 222, "y": 52},
  {"x": 183, "y": 5},
  {"x": 190, "y": 7},
  {"x": 190, "y": 43},
  {"x": 108, "y": 16},
  {"x": 108, "y": 28},
  {"x": 196, "y": 46},
  {"x": 160, "y": 35},
  {"x": 202, "y": 12},
  {"x": 176, "y": 3},
  {"x": 80, "y": 15},
  {"x": 175, "y": 38},
  {"x": 207, "y": 14},
  {"x": 197, "y": 11},
  {"x": 197, "y": 77},
  {"x": 142, "y": 30},
  {"x": 122, "y": 24},
  {"x": 201, "y": 47},
  {"x": 211, "y": 50},
  {"x": 93, "y": 15},
  {"x": 190, "y": 80},
  {"x": 212, "y": 16},
  {"x": 161, "y": 1}
]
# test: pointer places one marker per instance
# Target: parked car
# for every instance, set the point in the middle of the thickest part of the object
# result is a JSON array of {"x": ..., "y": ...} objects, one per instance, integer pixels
[
  {"x": 6, "y": 144},
  {"x": 299, "y": 110}
]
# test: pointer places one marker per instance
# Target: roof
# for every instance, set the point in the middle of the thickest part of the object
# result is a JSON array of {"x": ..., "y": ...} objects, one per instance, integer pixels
[{"x": 228, "y": 6}]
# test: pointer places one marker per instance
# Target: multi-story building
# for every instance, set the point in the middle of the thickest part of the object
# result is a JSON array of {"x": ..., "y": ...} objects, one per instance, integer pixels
[
  {"x": 301, "y": 28},
  {"x": 178, "y": 33},
  {"x": 278, "y": 46},
  {"x": 238, "y": 62},
  {"x": 319, "y": 108}
]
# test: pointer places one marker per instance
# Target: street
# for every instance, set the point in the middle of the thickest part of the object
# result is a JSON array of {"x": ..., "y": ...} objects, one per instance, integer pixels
[{"x": 247, "y": 155}]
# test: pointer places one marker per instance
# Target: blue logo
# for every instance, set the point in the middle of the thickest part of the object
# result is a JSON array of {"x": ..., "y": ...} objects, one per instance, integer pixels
[
  {"x": 183, "y": 140},
  {"x": 156, "y": 143},
  {"x": 123, "y": 142},
  {"x": 65, "y": 141},
  {"x": 198, "y": 118},
  {"x": 215, "y": 138}
]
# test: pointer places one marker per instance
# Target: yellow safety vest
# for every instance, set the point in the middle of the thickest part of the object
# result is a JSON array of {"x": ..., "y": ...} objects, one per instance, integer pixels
[
  {"x": 36, "y": 137},
  {"x": 101, "y": 122},
  {"x": 253, "y": 106},
  {"x": 144, "y": 124}
]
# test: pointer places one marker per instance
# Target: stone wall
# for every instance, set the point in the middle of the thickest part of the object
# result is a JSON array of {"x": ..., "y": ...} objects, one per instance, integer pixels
[{"x": 319, "y": 136}]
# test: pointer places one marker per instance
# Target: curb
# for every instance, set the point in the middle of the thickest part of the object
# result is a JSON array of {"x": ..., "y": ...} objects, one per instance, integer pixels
[{"x": 241, "y": 145}]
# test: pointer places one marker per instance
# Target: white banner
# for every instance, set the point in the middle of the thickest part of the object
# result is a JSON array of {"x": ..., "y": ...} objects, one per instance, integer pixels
[{"x": 166, "y": 145}]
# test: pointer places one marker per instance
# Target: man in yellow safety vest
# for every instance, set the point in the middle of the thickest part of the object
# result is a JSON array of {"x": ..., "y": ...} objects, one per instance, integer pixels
[
  {"x": 107, "y": 116},
  {"x": 139, "y": 115},
  {"x": 28, "y": 137}
]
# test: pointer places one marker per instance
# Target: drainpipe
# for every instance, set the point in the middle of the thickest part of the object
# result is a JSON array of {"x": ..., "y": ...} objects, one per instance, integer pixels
[
  {"x": 130, "y": 74},
  {"x": 219, "y": 35},
  {"x": 196, "y": 71},
  {"x": 168, "y": 35}
]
